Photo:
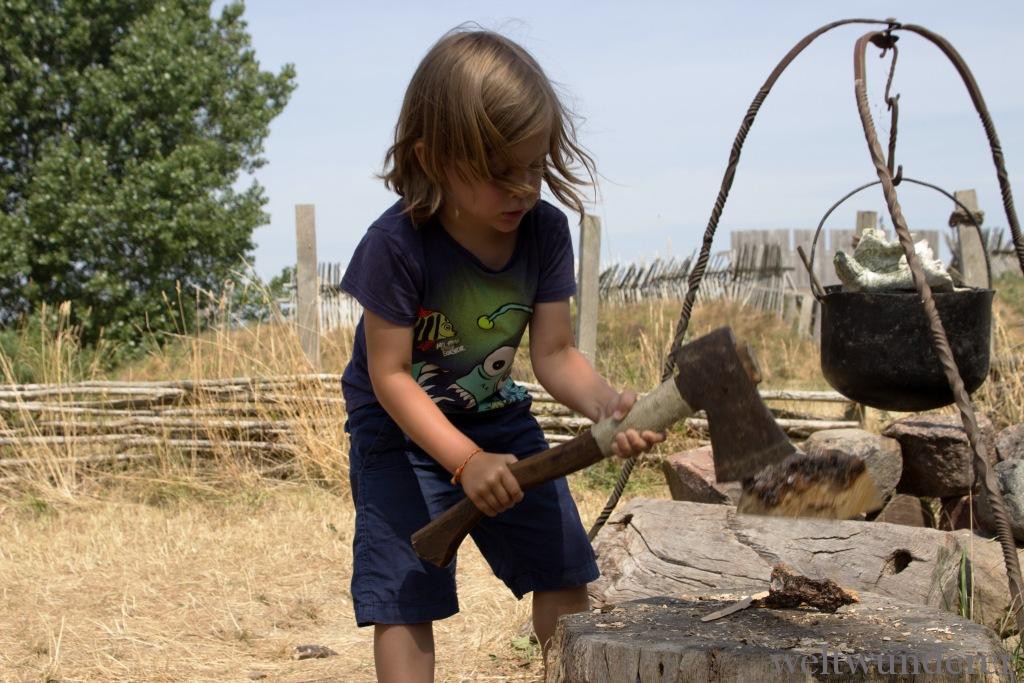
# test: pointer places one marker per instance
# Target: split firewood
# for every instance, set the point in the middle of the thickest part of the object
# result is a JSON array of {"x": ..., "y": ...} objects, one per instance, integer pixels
[
  {"x": 789, "y": 589},
  {"x": 836, "y": 486}
]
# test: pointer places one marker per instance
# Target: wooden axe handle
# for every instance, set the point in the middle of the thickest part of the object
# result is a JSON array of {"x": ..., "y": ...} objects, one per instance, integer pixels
[{"x": 439, "y": 540}]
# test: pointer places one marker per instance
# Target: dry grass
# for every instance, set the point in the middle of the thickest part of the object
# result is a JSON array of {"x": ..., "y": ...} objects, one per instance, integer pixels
[
  {"x": 205, "y": 570},
  {"x": 209, "y": 591}
]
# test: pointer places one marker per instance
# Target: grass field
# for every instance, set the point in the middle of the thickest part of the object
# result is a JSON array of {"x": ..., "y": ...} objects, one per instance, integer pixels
[{"x": 185, "y": 571}]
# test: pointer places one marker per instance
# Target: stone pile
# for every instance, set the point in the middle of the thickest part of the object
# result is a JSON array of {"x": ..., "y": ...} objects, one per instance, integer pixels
[{"x": 921, "y": 464}]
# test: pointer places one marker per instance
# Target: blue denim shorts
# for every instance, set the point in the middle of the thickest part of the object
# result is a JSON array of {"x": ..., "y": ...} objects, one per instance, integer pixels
[{"x": 539, "y": 544}]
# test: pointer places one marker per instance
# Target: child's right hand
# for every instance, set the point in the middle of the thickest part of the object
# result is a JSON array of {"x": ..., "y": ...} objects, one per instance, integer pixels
[{"x": 490, "y": 484}]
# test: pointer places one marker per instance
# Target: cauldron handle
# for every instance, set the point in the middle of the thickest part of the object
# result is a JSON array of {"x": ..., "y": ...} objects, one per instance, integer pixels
[{"x": 970, "y": 216}]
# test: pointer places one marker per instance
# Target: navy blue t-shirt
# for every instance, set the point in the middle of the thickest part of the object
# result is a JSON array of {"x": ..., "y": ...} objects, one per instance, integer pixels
[{"x": 467, "y": 318}]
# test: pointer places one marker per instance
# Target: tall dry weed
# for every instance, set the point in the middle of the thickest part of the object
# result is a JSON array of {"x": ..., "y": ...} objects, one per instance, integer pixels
[{"x": 223, "y": 349}]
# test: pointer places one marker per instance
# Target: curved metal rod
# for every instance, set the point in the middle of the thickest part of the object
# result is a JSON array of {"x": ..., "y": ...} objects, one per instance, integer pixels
[
  {"x": 938, "y": 334},
  {"x": 970, "y": 216},
  {"x": 968, "y": 212},
  {"x": 990, "y": 132},
  {"x": 697, "y": 274},
  {"x": 821, "y": 223},
  {"x": 693, "y": 283}
]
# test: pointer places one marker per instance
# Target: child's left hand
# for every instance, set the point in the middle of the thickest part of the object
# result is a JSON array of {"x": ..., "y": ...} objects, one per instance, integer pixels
[{"x": 630, "y": 443}]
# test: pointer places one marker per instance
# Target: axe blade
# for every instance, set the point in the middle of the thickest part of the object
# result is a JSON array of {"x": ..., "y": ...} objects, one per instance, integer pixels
[{"x": 715, "y": 375}]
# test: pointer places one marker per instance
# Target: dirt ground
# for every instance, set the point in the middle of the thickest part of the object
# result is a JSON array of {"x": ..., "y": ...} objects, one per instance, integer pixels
[{"x": 221, "y": 590}]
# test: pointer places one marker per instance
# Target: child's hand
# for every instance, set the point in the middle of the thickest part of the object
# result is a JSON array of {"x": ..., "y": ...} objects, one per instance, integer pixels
[
  {"x": 629, "y": 443},
  {"x": 490, "y": 484}
]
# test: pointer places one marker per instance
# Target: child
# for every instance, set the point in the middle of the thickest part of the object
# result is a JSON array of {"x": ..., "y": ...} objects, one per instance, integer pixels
[{"x": 449, "y": 277}]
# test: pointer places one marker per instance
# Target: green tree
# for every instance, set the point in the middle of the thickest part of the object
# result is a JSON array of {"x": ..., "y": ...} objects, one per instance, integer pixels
[{"x": 124, "y": 128}]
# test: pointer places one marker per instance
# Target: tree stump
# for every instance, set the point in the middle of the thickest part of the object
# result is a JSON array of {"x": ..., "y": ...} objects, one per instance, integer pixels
[{"x": 658, "y": 640}]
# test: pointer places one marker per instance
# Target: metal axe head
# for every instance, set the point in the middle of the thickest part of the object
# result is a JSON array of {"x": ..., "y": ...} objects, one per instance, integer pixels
[{"x": 719, "y": 376}]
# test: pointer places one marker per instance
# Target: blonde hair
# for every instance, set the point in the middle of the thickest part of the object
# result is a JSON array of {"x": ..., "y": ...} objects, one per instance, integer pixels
[{"x": 475, "y": 95}]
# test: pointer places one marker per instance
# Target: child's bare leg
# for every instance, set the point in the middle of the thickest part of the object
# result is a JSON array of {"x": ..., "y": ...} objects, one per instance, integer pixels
[
  {"x": 404, "y": 653},
  {"x": 549, "y": 605}
]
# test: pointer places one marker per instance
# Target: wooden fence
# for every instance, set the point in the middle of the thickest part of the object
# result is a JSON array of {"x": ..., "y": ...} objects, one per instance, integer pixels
[
  {"x": 755, "y": 275},
  {"x": 100, "y": 425}
]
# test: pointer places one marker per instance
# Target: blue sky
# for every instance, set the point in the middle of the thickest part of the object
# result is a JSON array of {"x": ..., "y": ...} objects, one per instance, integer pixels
[{"x": 662, "y": 88}]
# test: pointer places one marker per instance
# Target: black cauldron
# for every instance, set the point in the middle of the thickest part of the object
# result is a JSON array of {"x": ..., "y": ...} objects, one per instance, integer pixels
[{"x": 876, "y": 347}]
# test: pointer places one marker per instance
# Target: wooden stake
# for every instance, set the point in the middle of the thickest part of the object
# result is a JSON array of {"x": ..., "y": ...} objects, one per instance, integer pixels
[{"x": 308, "y": 290}]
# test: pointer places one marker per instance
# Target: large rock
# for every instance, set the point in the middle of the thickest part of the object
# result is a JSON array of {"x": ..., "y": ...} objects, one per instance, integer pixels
[
  {"x": 691, "y": 476},
  {"x": 937, "y": 459},
  {"x": 880, "y": 454},
  {"x": 905, "y": 510},
  {"x": 880, "y": 638},
  {"x": 1010, "y": 475},
  {"x": 667, "y": 548},
  {"x": 954, "y": 513},
  {"x": 1010, "y": 443}
]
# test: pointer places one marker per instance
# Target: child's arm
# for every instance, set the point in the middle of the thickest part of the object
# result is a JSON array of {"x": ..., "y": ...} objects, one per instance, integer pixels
[
  {"x": 486, "y": 478},
  {"x": 571, "y": 379}
]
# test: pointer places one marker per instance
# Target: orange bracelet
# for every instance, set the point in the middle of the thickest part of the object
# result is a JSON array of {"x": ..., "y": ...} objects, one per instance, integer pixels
[{"x": 458, "y": 470}]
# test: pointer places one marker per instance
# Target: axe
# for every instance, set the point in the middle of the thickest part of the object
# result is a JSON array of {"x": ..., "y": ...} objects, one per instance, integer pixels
[{"x": 718, "y": 375}]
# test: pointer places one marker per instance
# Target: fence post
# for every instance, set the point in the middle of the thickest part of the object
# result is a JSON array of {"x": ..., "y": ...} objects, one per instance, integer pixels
[
  {"x": 587, "y": 293},
  {"x": 806, "y": 314},
  {"x": 972, "y": 249},
  {"x": 866, "y": 220},
  {"x": 307, "y": 295}
]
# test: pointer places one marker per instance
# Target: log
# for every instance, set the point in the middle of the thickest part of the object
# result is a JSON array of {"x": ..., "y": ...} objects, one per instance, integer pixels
[
  {"x": 71, "y": 390},
  {"x": 551, "y": 409},
  {"x": 148, "y": 402},
  {"x": 568, "y": 423},
  {"x": 171, "y": 421},
  {"x": 540, "y": 394},
  {"x": 327, "y": 379},
  {"x": 809, "y": 396},
  {"x": 128, "y": 440},
  {"x": 233, "y": 409},
  {"x": 789, "y": 426},
  {"x": 293, "y": 398},
  {"x": 81, "y": 459},
  {"x": 663, "y": 639},
  {"x": 33, "y": 407},
  {"x": 125, "y": 404},
  {"x": 665, "y": 548},
  {"x": 532, "y": 387},
  {"x": 164, "y": 431}
]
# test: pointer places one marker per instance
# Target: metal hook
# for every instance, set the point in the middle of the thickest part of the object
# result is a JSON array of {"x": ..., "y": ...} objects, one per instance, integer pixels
[{"x": 893, "y": 104}]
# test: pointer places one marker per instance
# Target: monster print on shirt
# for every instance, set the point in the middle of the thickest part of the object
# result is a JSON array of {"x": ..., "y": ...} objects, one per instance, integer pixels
[
  {"x": 486, "y": 385},
  {"x": 469, "y": 391}
]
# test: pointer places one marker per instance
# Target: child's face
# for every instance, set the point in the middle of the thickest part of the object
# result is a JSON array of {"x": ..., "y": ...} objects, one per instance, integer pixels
[{"x": 485, "y": 205}]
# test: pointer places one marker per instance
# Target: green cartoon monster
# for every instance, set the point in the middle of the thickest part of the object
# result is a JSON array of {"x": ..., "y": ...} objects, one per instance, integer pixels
[{"x": 471, "y": 389}]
